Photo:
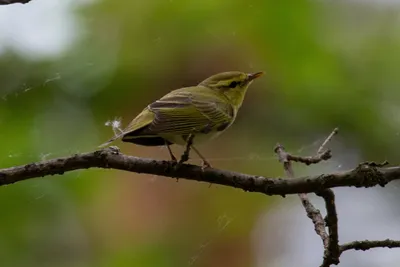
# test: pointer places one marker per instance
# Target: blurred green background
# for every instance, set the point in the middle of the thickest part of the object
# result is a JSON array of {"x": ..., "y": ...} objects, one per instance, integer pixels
[{"x": 67, "y": 68}]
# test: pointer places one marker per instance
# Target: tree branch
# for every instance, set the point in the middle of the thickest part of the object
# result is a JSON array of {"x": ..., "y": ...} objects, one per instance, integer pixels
[
  {"x": 8, "y": 2},
  {"x": 332, "y": 251},
  {"x": 331, "y": 240},
  {"x": 313, "y": 213},
  {"x": 367, "y": 244},
  {"x": 365, "y": 175}
]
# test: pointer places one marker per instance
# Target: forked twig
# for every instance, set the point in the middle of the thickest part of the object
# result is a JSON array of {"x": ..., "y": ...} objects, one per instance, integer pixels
[
  {"x": 312, "y": 212},
  {"x": 331, "y": 240}
]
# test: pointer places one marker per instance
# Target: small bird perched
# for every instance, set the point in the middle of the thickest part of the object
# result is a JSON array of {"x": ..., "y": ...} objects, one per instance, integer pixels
[{"x": 190, "y": 115}]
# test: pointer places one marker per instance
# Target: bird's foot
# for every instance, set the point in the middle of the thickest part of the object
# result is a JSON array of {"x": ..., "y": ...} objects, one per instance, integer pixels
[
  {"x": 183, "y": 159},
  {"x": 179, "y": 163}
]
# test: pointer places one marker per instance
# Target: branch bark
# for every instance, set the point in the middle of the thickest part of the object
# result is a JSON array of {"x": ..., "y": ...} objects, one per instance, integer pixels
[
  {"x": 367, "y": 244},
  {"x": 365, "y": 175},
  {"x": 8, "y": 2}
]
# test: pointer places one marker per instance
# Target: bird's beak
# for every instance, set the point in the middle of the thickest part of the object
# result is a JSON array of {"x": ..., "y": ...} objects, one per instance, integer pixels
[{"x": 253, "y": 76}]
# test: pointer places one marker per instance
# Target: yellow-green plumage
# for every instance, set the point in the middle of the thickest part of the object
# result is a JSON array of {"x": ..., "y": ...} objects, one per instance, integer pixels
[{"x": 203, "y": 111}]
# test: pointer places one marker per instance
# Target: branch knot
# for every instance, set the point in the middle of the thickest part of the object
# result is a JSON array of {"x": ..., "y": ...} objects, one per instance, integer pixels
[{"x": 368, "y": 174}]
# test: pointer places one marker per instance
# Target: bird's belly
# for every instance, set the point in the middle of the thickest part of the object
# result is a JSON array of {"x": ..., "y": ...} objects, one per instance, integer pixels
[{"x": 198, "y": 138}]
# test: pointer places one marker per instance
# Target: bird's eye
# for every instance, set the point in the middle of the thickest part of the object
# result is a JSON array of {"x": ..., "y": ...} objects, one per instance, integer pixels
[{"x": 233, "y": 84}]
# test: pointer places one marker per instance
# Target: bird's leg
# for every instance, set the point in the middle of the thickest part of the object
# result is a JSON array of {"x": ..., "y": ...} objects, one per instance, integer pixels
[
  {"x": 170, "y": 152},
  {"x": 206, "y": 164},
  {"x": 185, "y": 155}
]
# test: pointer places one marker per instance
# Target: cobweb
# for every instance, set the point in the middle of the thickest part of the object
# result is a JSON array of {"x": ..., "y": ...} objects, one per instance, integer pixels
[
  {"x": 223, "y": 221},
  {"x": 24, "y": 88}
]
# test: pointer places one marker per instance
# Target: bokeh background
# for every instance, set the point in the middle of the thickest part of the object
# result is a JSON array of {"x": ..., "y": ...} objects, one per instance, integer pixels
[{"x": 67, "y": 67}]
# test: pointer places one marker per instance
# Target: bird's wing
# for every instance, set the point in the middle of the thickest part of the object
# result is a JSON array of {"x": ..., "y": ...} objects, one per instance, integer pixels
[
  {"x": 142, "y": 120},
  {"x": 180, "y": 113}
]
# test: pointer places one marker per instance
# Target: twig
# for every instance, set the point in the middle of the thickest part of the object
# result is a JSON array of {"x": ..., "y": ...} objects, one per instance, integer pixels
[
  {"x": 367, "y": 244},
  {"x": 311, "y": 160},
  {"x": 332, "y": 251},
  {"x": 331, "y": 241},
  {"x": 327, "y": 140},
  {"x": 313, "y": 213}
]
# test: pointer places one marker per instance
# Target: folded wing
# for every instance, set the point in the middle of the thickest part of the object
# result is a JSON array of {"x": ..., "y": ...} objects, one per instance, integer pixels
[{"x": 182, "y": 113}]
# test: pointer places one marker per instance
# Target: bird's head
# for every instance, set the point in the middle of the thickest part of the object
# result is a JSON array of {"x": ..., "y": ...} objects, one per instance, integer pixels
[{"x": 232, "y": 84}]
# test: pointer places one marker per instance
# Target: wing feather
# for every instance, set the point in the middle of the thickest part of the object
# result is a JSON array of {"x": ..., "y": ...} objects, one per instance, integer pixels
[{"x": 180, "y": 113}]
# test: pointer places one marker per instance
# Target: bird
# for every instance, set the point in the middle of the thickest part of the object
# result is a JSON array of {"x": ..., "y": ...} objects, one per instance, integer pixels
[{"x": 190, "y": 115}]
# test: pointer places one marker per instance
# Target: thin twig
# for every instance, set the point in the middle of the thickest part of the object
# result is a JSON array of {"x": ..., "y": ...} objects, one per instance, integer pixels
[
  {"x": 311, "y": 160},
  {"x": 331, "y": 241},
  {"x": 313, "y": 213},
  {"x": 367, "y": 244},
  {"x": 327, "y": 140}
]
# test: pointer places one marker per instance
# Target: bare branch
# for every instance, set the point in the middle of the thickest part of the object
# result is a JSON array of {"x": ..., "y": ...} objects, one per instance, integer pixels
[
  {"x": 332, "y": 251},
  {"x": 313, "y": 213},
  {"x": 331, "y": 241},
  {"x": 311, "y": 160},
  {"x": 8, "y": 2},
  {"x": 109, "y": 158},
  {"x": 367, "y": 244}
]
